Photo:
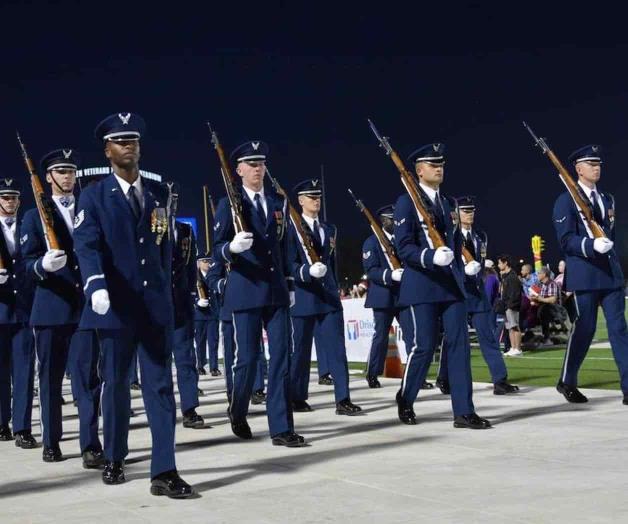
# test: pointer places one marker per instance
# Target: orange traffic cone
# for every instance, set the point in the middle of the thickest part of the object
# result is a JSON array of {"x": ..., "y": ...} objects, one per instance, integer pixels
[{"x": 393, "y": 367}]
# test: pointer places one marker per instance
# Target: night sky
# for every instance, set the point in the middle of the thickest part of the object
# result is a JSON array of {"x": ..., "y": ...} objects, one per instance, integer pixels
[{"x": 305, "y": 76}]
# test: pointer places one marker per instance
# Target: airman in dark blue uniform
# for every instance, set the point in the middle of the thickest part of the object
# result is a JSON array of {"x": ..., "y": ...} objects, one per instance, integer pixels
[
  {"x": 478, "y": 307},
  {"x": 125, "y": 253},
  {"x": 317, "y": 304},
  {"x": 56, "y": 310},
  {"x": 382, "y": 295},
  {"x": 257, "y": 293},
  {"x": 592, "y": 273},
  {"x": 432, "y": 287},
  {"x": 183, "y": 295},
  {"x": 17, "y": 353},
  {"x": 206, "y": 324}
]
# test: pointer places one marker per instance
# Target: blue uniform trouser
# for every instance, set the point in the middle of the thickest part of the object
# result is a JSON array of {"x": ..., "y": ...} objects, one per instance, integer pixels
[
  {"x": 422, "y": 335},
  {"x": 52, "y": 344},
  {"x": 485, "y": 330},
  {"x": 185, "y": 361},
  {"x": 379, "y": 344},
  {"x": 86, "y": 385},
  {"x": 321, "y": 355},
  {"x": 332, "y": 325},
  {"x": 583, "y": 329},
  {"x": 153, "y": 344},
  {"x": 133, "y": 377},
  {"x": 206, "y": 340},
  {"x": 17, "y": 368},
  {"x": 247, "y": 327},
  {"x": 226, "y": 328}
]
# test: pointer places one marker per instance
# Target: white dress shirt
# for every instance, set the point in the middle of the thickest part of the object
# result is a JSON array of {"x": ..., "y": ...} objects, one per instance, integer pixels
[
  {"x": 9, "y": 234},
  {"x": 262, "y": 198},
  {"x": 429, "y": 192},
  {"x": 139, "y": 189},
  {"x": 588, "y": 191},
  {"x": 310, "y": 222},
  {"x": 66, "y": 212}
]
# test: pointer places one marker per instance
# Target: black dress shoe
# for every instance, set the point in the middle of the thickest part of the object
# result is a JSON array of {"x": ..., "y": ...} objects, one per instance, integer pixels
[
  {"x": 571, "y": 393},
  {"x": 52, "y": 454},
  {"x": 326, "y": 380},
  {"x": 191, "y": 419},
  {"x": 135, "y": 386},
  {"x": 472, "y": 421},
  {"x": 93, "y": 459},
  {"x": 443, "y": 385},
  {"x": 427, "y": 385},
  {"x": 25, "y": 440},
  {"x": 258, "y": 397},
  {"x": 241, "y": 429},
  {"x": 201, "y": 371},
  {"x": 346, "y": 407},
  {"x": 113, "y": 472},
  {"x": 5, "y": 433},
  {"x": 503, "y": 388},
  {"x": 405, "y": 412},
  {"x": 215, "y": 372},
  {"x": 373, "y": 382},
  {"x": 171, "y": 485},
  {"x": 301, "y": 406},
  {"x": 290, "y": 439}
]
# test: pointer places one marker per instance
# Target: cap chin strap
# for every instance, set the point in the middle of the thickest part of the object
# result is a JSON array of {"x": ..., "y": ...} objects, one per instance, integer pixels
[{"x": 54, "y": 181}]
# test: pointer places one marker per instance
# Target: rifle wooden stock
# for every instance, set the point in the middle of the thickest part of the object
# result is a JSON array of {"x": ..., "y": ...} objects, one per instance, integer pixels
[
  {"x": 233, "y": 194},
  {"x": 295, "y": 218},
  {"x": 572, "y": 187},
  {"x": 385, "y": 244},
  {"x": 45, "y": 213}
]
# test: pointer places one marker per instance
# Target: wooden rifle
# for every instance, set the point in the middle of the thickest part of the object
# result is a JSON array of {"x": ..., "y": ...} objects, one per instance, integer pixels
[
  {"x": 44, "y": 205},
  {"x": 412, "y": 188},
  {"x": 582, "y": 203},
  {"x": 304, "y": 238},
  {"x": 233, "y": 193},
  {"x": 385, "y": 244}
]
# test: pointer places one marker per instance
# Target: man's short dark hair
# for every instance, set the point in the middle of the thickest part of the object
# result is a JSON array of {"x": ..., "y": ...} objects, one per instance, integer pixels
[{"x": 507, "y": 259}]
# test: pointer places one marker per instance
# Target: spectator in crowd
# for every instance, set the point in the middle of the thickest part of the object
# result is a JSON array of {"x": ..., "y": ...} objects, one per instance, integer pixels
[
  {"x": 528, "y": 316},
  {"x": 547, "y": 301},
  {"x": 528, "y": 278},
  {"x": 566, "y": 297},
  {"x": 511, "y": 299},
  {"x": 491, "y": 281}
]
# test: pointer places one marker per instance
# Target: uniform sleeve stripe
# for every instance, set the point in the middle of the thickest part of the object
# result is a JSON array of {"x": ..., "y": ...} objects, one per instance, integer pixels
[
  {"x": 423, "y": 257},
  {"x": 35, "y": 269},
  {"x": 90, "y": 279},
  {"x": 301, "y": 272},
  {"x": 584, "y": 251},
  {"x": 384, "y": 275},
  {"x": 223, "y": 252}
]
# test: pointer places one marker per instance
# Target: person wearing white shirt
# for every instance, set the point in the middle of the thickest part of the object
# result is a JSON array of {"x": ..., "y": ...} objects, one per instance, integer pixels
[{"x": 17, "y": 358}]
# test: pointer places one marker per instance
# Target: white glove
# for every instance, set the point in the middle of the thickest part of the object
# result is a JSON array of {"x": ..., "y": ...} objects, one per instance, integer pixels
[
  {"x": 100, "y": 301},
  {"x": 54, "y": 260},
  {"x": 241, "y": 242},
  {"x": 602, "y": 245},
  {"x": 202, "y": 302},
  {"x": 4, "y": 276},
  {"x": 318, "y": 270},
  {"x": 443, "y": 256},
  {"x": 293, "y": 298},
  {"x": 472, "y": 268},
  {"x": 396, "y": 274}
]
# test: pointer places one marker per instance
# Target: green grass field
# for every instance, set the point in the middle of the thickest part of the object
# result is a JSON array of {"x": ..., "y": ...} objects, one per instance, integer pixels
[{"x": 542, "y": 367}]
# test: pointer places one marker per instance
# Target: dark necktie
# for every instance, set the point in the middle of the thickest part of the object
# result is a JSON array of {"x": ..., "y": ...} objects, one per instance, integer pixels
[
  {"x": 439, "y": 213},
  {"x": 317, "y": 232},
  {"x": 468, "y": 243},
  {"x": 134, "y": 202},
  {"x": 259, "y": 208},
  {"x": 9, "y": 221},
  {"x": 597, "y": 210}
]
